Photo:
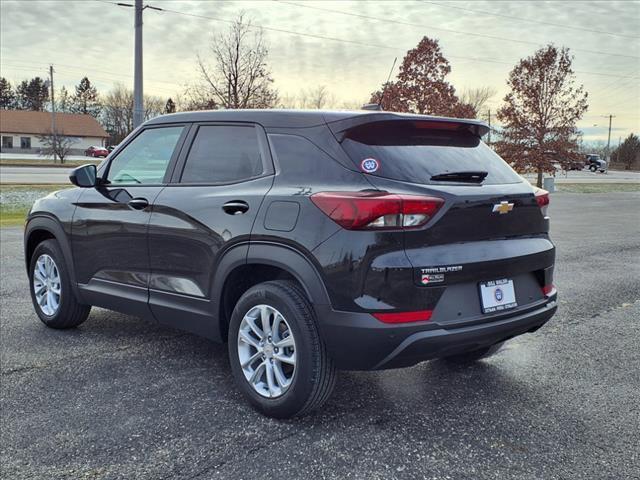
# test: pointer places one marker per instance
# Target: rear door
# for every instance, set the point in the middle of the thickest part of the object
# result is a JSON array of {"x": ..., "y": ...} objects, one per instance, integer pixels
[{"x": 207, "y": 210}]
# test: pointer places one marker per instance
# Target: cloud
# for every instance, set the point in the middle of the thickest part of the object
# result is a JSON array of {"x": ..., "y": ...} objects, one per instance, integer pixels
[{"x": 94, "y": 38}]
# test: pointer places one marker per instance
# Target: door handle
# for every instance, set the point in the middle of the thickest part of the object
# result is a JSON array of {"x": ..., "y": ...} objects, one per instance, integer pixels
[
  {"x": 138, "y": 203},
  {"x": 236, "y": 207}
]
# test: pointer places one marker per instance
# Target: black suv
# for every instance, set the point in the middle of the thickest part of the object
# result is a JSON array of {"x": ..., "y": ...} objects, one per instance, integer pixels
[{"x": 309, "y": 241}]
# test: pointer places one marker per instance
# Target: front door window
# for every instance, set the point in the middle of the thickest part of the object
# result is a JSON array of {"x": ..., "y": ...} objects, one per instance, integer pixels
[{"x": 145, "y": 159}]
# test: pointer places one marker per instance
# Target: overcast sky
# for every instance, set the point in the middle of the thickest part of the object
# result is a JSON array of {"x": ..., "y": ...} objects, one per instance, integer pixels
[{"x": 95, "y": 38}]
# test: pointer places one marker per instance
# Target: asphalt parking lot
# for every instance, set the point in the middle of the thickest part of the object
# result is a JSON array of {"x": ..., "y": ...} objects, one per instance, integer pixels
[{"x": 123, "y": 398}]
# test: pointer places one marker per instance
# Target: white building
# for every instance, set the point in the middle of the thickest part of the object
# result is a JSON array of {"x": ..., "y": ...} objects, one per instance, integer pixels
[{"x": 20, "y": 130}]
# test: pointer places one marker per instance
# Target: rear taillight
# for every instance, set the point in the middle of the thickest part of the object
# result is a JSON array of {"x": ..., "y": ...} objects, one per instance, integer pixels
[
  {"x": 376, "y": 210},
  {"x": 542, "y": 197},
  {"x": 404, "y": 317}
]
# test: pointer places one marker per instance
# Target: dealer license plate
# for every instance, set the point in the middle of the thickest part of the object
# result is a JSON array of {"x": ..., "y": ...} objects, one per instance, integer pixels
[{"x": 497, "y": 295}]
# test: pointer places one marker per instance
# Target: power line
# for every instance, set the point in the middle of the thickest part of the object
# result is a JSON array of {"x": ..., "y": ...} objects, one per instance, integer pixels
[
  {"x": 343, "y": 40},
  {"x": 511, "y": 17},
  {"x": 458, "y": 32},
  {"x": 82, "y": 69}
]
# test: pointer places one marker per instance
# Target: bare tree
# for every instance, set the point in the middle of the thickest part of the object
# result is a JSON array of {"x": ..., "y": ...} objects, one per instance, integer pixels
[
  {"x": 239, "y": 76},
  {"x": 117, "y": 111},
  {"x": 313, "y": 98},
  {"x": 477, "y": 97},
  {"x": 317, "y": 98},
  {"x": 56, "y": 145}
]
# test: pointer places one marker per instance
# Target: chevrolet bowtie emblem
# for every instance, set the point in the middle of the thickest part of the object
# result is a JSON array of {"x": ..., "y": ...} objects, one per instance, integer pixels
[{"x": 502, "y": 207}]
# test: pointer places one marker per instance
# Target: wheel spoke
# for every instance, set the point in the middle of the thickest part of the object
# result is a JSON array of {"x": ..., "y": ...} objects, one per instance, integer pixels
[
  {"x": 257, "y": 374},
  {"x": 249, "y": 340},
  {"x": 38, "y": 276},
  {"x": 270, "y": 381},
  {"x": 264, "y": 316},
  {"x": 251, "y": 359},
  {"x": 42, "y": 301},
  {"x": 56, "y": 289},
  {"x": 39, "y": 288},
  {"x": 275, "y": 329},
  {"x": 285, "y": 342},
  {"x": 42, "y": 269},
  {"x": 251, "y": 321},
  {"x": 280, "y": 377},
  {"x": 290, "y": 359}
]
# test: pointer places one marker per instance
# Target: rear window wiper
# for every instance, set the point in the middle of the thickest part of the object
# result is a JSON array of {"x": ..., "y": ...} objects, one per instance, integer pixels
[{"x": 476, "y": 176}]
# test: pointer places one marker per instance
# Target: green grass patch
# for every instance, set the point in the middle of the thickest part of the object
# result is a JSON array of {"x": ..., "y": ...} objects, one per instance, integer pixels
[
  {"x": 13, "y": 218},
  {"x": 597, "y": 187},
  {"x": 17, "y": 162}
]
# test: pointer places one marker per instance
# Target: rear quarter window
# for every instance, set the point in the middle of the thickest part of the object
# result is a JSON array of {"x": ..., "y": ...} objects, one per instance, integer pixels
[{"x": 414, "y": 155}]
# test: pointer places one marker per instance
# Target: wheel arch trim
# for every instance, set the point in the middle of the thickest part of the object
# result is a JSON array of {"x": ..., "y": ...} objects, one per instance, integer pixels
[
  {"x": 53, "y": 227},
  {"x": 284, "y": 257}
]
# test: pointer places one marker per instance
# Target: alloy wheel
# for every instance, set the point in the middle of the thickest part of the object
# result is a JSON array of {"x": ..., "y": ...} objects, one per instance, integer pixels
[
  {"x": 47, "y": 285},
  {"x": 267, "y": 351}
]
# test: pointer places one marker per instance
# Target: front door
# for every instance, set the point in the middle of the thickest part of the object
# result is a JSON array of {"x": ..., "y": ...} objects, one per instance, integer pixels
[
  {"x": 208, "y": 210},
  {"x": 109, "y": 229}
]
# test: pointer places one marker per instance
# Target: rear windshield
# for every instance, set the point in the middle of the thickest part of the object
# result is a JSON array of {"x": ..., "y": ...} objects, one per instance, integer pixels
[{"x": 404, "y": 152}]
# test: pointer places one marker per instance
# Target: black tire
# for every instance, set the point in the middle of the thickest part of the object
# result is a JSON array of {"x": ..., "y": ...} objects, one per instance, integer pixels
[
  {"x": 474, "y": 355},
  {"x": 314, "y": 376},
  {"x": 70, "y": 312},
  {"x": 593, "y": 168}
]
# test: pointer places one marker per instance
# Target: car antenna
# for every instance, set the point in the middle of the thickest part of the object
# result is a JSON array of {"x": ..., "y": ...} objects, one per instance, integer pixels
[{"x": 378, "y": 106}]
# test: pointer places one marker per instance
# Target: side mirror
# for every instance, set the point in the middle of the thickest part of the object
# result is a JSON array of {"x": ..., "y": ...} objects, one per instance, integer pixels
[{"x": 84, "y": 176}]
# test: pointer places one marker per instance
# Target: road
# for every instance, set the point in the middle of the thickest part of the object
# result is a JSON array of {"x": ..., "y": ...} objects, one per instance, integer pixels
[
  {"x": 123, "y": 398},
  {"x": 33, "y": 175}
]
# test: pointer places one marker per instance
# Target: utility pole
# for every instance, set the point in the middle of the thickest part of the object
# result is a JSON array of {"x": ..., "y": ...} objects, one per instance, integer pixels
[
  {"x": 489, "y": 121},
  {"x": 138, "y": 96},
  {"x": 138, "y": 108},
  {"x": 609, "y": 137},
  {"x": 54, "y": 133}
]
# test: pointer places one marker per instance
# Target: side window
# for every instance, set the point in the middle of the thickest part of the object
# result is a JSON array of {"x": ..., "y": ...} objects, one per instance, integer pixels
[
  {"x": 223, "y": 154},
  {"x": 146, "y": 158}
]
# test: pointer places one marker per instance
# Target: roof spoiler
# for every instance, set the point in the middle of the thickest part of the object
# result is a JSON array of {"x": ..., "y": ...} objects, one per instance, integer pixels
[{"x": 340, "y": 128}]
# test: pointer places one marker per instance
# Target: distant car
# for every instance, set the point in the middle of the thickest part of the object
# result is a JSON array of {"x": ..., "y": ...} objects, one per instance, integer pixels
[
  {"x": 95, "y": 151},
  {"x": 594, "y": 163}
]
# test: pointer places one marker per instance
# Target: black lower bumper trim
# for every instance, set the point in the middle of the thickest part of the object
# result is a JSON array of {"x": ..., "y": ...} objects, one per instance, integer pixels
[{"x": 356, "y": 341}]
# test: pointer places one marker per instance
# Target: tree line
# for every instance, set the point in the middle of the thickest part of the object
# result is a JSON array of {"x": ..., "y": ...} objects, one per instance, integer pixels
[
  {"x": 113, "y": 109},
  {"x": 538, "y": 115}
]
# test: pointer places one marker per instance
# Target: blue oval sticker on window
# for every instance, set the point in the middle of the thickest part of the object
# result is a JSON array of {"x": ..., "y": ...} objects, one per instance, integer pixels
[{"x": 369, "y": 165}]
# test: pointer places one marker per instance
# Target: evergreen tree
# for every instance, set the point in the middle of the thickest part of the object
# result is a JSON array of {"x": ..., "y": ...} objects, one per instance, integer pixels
[
  {"x": 7, "y": 96},
  {"x": 85, "y": 100},
  {"x": 32, "y": 94},
  {"x": 63, "y": 102}
]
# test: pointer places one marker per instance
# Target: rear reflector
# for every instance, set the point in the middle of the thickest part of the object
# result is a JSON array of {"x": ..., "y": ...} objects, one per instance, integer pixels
[
  {"x": 404, "y": 317},
  {"x": 376, "y": 210},
  {"x": 547, "y": 290}
]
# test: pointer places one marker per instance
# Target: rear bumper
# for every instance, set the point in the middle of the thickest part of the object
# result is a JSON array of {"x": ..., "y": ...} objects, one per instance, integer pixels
[{"x": 357, "y": 341}]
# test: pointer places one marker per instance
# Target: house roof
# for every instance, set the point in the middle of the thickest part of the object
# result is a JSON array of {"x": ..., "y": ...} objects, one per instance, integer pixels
[{"x": 39, "y": 123}]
